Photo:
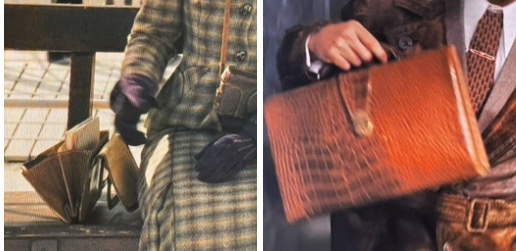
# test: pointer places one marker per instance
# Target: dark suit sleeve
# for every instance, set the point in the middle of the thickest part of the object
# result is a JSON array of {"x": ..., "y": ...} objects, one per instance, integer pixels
[{"x": 291, "y": 58}]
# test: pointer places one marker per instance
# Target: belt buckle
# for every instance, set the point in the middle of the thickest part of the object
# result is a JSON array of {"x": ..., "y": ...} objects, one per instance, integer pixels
[{"x": 478, "y": 211}]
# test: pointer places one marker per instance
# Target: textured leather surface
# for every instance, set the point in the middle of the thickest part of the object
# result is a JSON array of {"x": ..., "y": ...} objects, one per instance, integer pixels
[
  {"x": 235, "y": 100},
  {"x": 476, "y": 213},
  {"x": 63, "y": 180},
  {"x": 476, "y": 224},
  {"x": 123, "y": 171},
  {"x": 236, "y": 95},
  {"x": 424, "y": 135}
]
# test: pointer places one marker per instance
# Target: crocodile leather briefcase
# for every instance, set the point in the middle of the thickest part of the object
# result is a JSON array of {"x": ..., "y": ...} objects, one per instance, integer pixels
[{"x": 374, "y": 134}]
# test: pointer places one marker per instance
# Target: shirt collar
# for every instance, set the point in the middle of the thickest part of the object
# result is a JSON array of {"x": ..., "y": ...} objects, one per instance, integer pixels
[
  {"x": 473, "y": 11},
  {"x": 509, "y": 25}
]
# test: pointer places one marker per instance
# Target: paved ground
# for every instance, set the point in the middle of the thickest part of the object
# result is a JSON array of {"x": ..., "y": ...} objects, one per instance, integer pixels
[
  {"x": 29, "y": 77},
  {"x": 30, "y": 130}
]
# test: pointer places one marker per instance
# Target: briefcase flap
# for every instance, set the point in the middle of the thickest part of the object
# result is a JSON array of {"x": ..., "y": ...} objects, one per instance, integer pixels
[{"x": 123, "y": 173}]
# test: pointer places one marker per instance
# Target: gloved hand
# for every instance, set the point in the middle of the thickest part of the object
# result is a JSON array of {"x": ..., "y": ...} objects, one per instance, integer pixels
[
  {"x": 132, "y": 96},
  {"x": 227, "y": 155}
]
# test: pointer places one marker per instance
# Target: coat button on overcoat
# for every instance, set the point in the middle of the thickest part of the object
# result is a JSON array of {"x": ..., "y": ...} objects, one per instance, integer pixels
[
  {"x": 405, "y": 43},
  {"x": 240, "y": 56},
  {"x": 246, "y": 9}
]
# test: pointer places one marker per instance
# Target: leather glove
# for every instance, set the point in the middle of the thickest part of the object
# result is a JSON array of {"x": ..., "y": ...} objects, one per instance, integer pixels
[
  {"x": 220, "y": 160},
  {"x": 132, "y": 96}
]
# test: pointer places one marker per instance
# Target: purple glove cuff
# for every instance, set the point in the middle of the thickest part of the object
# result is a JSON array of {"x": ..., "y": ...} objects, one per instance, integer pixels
[
  {"x": 138, "y": 89},
  {"x": 117, "y": 99}
]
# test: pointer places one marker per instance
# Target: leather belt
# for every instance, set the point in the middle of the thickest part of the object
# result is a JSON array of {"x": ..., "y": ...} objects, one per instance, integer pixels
[{"x": 476, "y": 214}]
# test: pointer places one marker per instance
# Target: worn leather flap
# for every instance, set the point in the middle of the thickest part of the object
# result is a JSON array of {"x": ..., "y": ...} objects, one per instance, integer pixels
[
  {"x": 424, "y": 135},
  {"x": 354, "y": 90},
  {"x": 123, "y": 171}
]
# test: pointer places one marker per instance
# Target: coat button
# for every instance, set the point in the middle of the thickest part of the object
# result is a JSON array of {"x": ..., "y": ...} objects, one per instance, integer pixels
[
  {"x": 458, "y": 187},
  {"x": 405, "y": 43},
  {"x": 246, "y": 9},
  {"x": 240, "y": 56}
]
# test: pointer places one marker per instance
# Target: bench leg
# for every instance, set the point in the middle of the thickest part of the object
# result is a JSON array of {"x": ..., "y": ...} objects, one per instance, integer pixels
[{"x": 81, "y": 88}]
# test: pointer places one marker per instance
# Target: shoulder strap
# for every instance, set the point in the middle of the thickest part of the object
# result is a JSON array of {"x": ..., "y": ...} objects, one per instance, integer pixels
[{"x": 225, "y": 36}]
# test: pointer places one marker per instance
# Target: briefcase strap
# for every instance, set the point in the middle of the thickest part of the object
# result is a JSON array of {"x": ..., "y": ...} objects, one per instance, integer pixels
[
  {"x": 354, "y": 89},
  {"x": 225, "y": 36}
]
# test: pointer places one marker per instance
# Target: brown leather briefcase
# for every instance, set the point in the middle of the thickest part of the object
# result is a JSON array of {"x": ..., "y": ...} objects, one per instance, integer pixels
[
  {"x": 374, "y": 134},
  {"x": 71, "y": 181}
]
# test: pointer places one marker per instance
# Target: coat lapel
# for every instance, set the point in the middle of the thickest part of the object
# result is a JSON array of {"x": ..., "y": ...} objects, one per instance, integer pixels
[{"x": 504, "y": 86}]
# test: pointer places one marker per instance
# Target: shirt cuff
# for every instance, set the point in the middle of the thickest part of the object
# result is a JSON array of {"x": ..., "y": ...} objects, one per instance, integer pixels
[{"x": 316, "y": 65}]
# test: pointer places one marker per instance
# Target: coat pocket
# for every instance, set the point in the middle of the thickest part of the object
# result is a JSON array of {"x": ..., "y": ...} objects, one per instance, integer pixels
[{"x": 172, "y": 92}]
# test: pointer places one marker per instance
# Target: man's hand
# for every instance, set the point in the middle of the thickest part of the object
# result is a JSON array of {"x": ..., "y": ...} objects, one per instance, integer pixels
[{"x": 346, "y": 44}]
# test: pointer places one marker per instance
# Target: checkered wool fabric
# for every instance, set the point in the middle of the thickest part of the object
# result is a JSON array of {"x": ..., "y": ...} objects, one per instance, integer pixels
[
  {"x": 187, "y": 97},
  {"x": 180, "y": 212},
  {"x": 481, "y": 57}
]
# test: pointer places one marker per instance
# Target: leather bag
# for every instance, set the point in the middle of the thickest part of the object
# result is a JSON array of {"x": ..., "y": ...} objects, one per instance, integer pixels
[
  {"x": 374, "y": 134},
  {"x": 71, "y": 182},
  {"x": 235, "y": 99},
  {"x": 122, "y": 173}
]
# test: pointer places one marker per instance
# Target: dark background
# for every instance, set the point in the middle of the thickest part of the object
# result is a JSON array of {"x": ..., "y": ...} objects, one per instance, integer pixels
[{"x": 313, "y": 234}]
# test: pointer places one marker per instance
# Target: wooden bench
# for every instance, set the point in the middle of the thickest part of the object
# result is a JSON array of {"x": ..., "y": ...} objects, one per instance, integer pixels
[
  {"x": 81, "y": 30},
  {"x": 28, "y": 223}
]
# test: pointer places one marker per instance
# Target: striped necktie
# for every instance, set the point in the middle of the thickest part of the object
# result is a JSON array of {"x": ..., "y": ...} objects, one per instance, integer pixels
[{"x": 481, "y": 57}]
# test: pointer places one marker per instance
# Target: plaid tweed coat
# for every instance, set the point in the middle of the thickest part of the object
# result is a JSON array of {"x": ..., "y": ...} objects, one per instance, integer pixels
[{"x": 180, "y": 212}]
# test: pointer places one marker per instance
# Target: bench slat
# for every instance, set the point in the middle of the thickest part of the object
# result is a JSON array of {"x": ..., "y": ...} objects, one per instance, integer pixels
[
  {"x": 67, "y": 27},
  {"x": 73, "y": 28},
  {"x": 27, "y": 216}
]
